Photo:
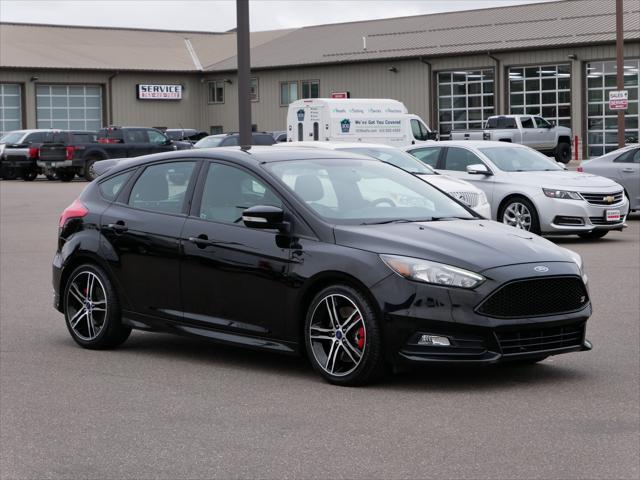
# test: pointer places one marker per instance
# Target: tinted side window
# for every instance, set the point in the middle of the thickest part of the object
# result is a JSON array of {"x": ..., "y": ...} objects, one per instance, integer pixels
[
  {"x": 230, "y": 190},
  {"x": 161, "y": 188},
  {"x": 263, "y": 140},
  {"x": 527, "y": 122},
  {"x": 632, "y": 156},
  {"x": 230, "y": 142},
  {"x": 459, "y": 158},
  {"x": 111, "y": 187},
  {"x": 427, "y": 155},
  {"x": 135, "y": 136},
  {"x": 542, "y": 123},
  {"x": 38, "y": 137},
  {"x": 83, "y": 137},
  {"x": 156, "y": 137}
]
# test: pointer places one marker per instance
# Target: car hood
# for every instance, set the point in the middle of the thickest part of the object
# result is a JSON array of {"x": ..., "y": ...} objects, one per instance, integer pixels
[
  {"x": 449, "y": 184},
  {"x": 475, "y": 245},
  {"x": 562, "y": 179}
]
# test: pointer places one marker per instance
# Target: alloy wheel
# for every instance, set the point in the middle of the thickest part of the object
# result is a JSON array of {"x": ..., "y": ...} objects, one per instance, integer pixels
[
  {"x": 337, "y": 335},
  {"x": 86, "y": 305},
  {"x": 517, "y": 215}
]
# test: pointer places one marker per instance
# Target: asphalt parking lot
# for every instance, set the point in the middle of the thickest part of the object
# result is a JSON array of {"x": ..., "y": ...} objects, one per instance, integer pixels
[{"x": 176, "y": 408}]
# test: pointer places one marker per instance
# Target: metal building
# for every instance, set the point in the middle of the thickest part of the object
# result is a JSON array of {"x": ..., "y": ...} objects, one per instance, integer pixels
[{"x": 454, "y": 69}]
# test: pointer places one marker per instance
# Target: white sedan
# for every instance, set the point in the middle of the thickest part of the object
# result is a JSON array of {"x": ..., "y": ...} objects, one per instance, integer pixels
[
  {"x": 530, "y": 191},
  {"x": 471, "y": 196}
]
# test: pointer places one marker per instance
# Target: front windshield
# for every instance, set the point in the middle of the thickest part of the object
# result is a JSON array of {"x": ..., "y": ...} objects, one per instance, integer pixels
[
  {"x": 207, "y": 142},
  {"x": 518, "y": 159},
  {"x": 394, "y": 157},
  {"x": 11, "y": 137},
  {"x": 352, "y": 192}
]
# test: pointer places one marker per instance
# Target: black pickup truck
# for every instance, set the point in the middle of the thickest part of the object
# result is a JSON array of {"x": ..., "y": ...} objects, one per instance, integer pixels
[{"x": 67, "y": 160}]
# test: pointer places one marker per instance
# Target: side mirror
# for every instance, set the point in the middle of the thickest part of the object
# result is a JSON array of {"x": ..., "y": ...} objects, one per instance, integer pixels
[
  {"x": 432, "y": 136},
  {"x": 264, "y": 216},
  {"x": 478, "y": 169}
]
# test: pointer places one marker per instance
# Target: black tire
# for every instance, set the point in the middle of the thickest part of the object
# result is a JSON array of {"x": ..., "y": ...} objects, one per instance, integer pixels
[
  {"x": 89, "y": 174},
  {"x": 9, "y": 174},
  {"x": 30, "y": 176},
  {"x": 65, "y": 176},
  {"x": 534, "y": 226},
  {"x": 112, "y": 332},
  {"x": 365, "y": 334},
  {"x": 562, "y": 153},
  {"x": 51, "y": 176},
  {"x": 593, "y": 234}
]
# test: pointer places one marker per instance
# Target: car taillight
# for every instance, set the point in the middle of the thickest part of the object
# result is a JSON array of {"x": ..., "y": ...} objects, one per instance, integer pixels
[
  {"x": 70, "y": 153},
  {"x": 75, "y": 210},
  {"x": 33, "y": 152},
  {"x": 580, "y": 169}
]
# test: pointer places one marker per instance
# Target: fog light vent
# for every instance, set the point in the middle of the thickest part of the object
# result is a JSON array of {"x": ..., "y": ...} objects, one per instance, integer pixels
[{"x": 432, "y": 340}]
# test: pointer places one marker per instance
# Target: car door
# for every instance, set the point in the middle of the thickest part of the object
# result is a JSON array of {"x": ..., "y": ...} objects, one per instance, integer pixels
[
  {"x": 529, "y": 132},
  {"x": 545, "y": 134},
  {"x": 142, "y": 232},
  {"x": 627, "y": 168},
  {"x": 230, "y": 273},
  {"x": 454, "y": 162}
]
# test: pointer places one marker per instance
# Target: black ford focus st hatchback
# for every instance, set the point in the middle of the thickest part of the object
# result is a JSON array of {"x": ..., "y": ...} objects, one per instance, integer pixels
[{"x": 351, "y": 261}]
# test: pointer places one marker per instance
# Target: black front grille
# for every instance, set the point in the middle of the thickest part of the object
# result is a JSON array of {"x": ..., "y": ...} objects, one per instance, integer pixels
[
  {"x": 539, "y": 339},
  {"x": 603, "y": 198},
  {"x": 536, "y": 297}
]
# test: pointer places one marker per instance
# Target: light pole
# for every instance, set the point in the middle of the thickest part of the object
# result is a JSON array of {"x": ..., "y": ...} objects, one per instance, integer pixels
[
  {"x": 620, "y": 68},
  {"x": 244, "y": 68}
]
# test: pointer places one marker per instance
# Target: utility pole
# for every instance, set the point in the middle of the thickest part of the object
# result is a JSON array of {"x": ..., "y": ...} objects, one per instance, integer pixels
[
  {"x": 244, "y": 69},
  {"x": 620, "y": 67}
]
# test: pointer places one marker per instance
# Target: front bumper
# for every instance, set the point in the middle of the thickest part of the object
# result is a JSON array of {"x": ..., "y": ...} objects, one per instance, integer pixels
[
  {"x": 576, "y": 216},
  {"x": 413, "y": 309}
]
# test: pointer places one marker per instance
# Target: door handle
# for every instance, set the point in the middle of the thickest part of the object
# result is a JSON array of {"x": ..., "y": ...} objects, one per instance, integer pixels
[
  {"x": 118, "y": 227},
  {"x": 628, "y": 170},
  {"x": 202, "y": 241}
]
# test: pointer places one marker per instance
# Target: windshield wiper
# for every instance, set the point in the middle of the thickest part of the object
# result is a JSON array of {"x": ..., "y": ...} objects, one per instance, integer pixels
[
  {"x": 437, "y": 219},
  {"x": 396, "y": 220}
]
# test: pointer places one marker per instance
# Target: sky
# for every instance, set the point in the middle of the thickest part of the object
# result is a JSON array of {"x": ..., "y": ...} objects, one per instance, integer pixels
[{"x": 219, "y": 15}]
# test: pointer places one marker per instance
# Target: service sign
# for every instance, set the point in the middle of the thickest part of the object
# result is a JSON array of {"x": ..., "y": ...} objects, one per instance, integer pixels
[
  {"x": 618, "y": 99},
  {"x": 159, "y": 92}
]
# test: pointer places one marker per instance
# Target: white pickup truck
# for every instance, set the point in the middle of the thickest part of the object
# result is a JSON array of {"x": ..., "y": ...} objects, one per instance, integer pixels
[{"x": 529, "y": 130}]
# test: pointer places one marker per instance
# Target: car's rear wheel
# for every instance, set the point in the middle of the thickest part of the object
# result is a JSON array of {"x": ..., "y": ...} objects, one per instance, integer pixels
[
  {"x": 30, "y": 176},
  {"x": 89, "y": 171},
  {"x": 342, "y": 336},
  {"x": 593, "y": 234},
  {"x": 520, "y": 213},
  {"x": 91, "y": 309},
  {"x": 563, "y": 153}
]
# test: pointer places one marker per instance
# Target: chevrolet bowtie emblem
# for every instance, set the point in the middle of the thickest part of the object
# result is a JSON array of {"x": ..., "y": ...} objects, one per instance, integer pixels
[{"x": 609, "y": 199}]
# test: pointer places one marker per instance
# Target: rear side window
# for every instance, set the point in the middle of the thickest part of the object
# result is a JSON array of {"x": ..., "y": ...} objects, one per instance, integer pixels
[
  {"x": 162, "y": 188},
  {"x": 632, "y": 156},
  {"x": 263, "y": 140},
  {"x": 109, "y": 189},
  {"x": 501, "y": 123},
  {"x": 83, "y": 137},
  {"x": 458, "y": 159},
  {"x": 427, "y": 155},
  {"x": 527, "y": 123},
  {"x": 38, "y": 137}
]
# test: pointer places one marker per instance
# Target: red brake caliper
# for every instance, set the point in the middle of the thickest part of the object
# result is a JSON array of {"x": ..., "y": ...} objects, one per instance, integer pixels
[{"x": 360, "y": 338}]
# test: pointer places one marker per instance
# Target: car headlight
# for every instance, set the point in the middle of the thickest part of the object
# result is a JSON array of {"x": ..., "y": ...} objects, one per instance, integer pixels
[
  {"x": 482, "y": 199},
  {"x": 432, "y": 272},
  {"x": 562, "y": 194}
]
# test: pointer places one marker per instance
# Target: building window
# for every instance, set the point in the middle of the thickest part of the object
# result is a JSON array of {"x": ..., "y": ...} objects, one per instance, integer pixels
[
  {"x": 254, "y": 92},
  {"x": 216, "y": 91},
  {"x": 602, "y": 123},
  {"x": 310, "y": 88},
  {"x": 69, "y": 107},
  {"x": 10, "y": 107},
  {"x": 465, "y": 100},
  {"x": 288, "y": 92},
  {"x": 543, "y": 90},
  {"x": 216, "y": 129}
]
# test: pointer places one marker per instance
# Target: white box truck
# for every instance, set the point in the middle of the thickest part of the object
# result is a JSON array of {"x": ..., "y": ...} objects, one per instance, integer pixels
[{"x": 374, "y": 120}]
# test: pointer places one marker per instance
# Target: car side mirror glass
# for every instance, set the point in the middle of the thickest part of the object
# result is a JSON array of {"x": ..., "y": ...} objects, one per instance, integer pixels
[
  {"x": 264, "y": 217},
  {"x": 478, "y": 169}
]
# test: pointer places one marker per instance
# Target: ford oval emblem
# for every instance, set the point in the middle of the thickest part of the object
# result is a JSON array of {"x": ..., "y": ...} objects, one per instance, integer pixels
[{"x": 541, "y": 268}]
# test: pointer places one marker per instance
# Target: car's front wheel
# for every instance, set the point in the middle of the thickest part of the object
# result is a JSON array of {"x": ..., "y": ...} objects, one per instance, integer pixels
[
  {"x": 91, "y": 309},
  {"x": 563, "y": 153},
  {"x": 520, "y": 213},
  {"x": 342, "y": 336}
]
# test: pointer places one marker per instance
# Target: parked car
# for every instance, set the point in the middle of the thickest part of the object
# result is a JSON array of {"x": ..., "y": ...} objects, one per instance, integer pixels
[
  {"x": 190, "y": 135},
  {"x": 280, "y": 136},
  {"x": 111, "y": 142},
  {"x": 60, "y": 155},
  {"x": 528, "y": 190},
  {"x": 233, "y": 140},
  {"x": 463, "y": 191},
  {"x": 530, "y": 130},
  {"x": 19, "y": 153},
  {"x": 292, "y": 252},
  {"x": 622, "y": 166}
]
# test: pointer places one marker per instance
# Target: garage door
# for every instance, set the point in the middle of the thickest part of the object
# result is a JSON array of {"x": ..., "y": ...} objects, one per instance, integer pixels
[
  {"x": 75, "y": 107},
  {"x": 10, "y": 107}
]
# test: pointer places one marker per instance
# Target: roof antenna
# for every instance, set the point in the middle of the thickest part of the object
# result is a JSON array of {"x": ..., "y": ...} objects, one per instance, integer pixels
[{"x": 364, "y": 43}]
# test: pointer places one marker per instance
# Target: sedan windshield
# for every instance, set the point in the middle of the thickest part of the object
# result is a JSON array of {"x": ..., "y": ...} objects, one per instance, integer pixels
[
  {"x": 395, "y": 157},
  {"x": 208, "y": 142},
  {"x": 352, "y": 191},
  {"x": 11, "y": 137},
  {"x": 518, "y": 159}
]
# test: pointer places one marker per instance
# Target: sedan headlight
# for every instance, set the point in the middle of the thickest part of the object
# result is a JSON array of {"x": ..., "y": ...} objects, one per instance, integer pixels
[
  {"x": 562, "y": 194},
  {"x": 482, "y": 199},
  {"x": 432, "y": 272}
]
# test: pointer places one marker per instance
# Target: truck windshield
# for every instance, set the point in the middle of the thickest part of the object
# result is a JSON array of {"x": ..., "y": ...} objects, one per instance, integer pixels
[
  {"x": 519, "y": 159},
  {"x": 355, "y": 192},
  {"x": 397, "y": 158}
]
